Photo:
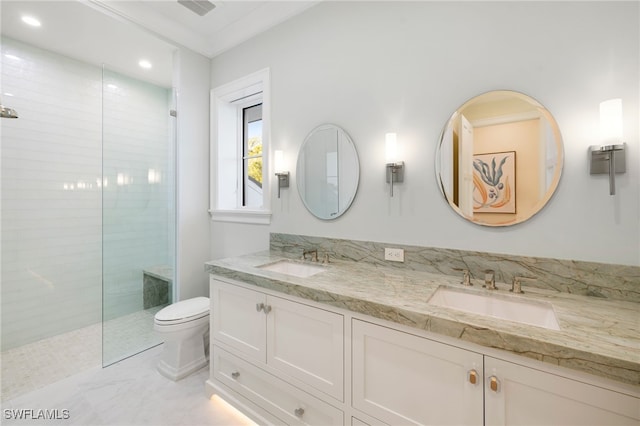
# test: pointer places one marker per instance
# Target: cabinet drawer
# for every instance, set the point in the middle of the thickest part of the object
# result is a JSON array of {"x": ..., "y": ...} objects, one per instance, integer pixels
[{"x": 291, "y": 405}]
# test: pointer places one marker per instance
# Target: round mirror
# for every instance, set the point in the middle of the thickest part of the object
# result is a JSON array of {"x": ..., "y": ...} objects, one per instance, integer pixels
[
  {"x": 327, "y": 172},
  {"x": 499, "y": 159}
]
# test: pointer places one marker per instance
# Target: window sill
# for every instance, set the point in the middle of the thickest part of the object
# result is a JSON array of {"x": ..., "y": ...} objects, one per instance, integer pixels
[{"x": 255, "y": 217}]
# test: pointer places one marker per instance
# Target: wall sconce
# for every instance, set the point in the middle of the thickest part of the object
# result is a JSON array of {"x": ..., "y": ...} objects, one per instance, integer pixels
[
  {"x": 395, "y": 168},
  {"x": 283, "y": 176},
  {"x": 609, "y": 158}
]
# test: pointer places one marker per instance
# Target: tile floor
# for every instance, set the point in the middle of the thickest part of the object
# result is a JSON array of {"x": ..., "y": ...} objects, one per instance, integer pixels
[
  {"x": 127, "y": 393},
  {"x": 47, "y": 361},
  {"x": 129, "y": 334}
]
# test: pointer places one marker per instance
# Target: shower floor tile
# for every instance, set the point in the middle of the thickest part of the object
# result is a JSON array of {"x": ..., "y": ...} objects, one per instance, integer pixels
[
  {"x": 47, "y": 361},
  {"x": 127, "y": 335}
]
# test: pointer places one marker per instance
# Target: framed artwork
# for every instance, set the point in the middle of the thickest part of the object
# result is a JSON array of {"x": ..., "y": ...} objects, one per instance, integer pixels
[{"x": 494, "y": 182}]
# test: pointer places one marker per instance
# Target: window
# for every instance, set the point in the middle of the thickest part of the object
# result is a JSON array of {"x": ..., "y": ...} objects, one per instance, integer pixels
[
  {"x": 252, "y": 156},
  {"x": 239, "y": 148}
]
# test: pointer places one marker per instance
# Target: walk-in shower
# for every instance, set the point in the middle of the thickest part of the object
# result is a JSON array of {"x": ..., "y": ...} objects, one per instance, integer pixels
[{"x": 87, "y": 217}]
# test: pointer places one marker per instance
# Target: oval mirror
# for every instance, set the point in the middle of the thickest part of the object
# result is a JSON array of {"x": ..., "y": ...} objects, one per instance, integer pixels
[
  {"x": 499, "y": 159},
  {"x": 327, "y": 172}
]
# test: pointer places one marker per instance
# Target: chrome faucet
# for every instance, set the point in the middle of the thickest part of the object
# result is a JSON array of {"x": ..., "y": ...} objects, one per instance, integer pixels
[
  {"x": 490, "y": 280},
  {"x": 314, "y": 252}
]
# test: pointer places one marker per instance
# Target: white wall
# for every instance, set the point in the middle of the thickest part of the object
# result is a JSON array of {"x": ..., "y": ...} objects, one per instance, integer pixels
[
  {"x": 191, "y": 79},
  {"x": 375, "y": 67}
]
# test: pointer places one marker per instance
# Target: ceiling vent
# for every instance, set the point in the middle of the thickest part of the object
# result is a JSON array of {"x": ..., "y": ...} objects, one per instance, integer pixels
[{"x": 201, "y": 7}]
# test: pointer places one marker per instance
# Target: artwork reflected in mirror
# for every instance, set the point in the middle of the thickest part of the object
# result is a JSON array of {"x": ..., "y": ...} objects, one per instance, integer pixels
[
  {"x": 499, "y": 159},
  {"x": 327, "y": 172},
  {"x": 494, "y": 176}
]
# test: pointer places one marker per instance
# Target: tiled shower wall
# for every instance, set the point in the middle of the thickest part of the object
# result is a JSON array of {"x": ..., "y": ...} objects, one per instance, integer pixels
[
  {"x": 52, "y": 188},
  {"x": 51, "y": 199}
]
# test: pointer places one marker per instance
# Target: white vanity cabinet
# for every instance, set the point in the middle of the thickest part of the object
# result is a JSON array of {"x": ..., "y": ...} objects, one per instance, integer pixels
[
  {"x": 286, "y": 360},
  {"x": 262, "y": 344},
  {"x": 401, "y": 378}
]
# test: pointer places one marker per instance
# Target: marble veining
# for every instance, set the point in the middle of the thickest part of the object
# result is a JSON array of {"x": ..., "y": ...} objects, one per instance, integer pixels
[
  {"x": 607, "y": 281},
  {"x": 157, "y": 282},
  {"x": 598, "y": 335}
]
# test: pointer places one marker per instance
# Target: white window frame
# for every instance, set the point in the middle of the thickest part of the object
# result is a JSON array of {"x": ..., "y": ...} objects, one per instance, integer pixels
[{"x": 225, "y": 202}]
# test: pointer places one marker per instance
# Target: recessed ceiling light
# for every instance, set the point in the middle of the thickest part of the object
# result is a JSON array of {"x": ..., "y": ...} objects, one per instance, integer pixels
[
  {"x": 145, "y": 64},
  {"x": 10, "y": 56},
  {"x": 8, "y": 94},
  {"x": 30, "y": 20},
  {"x": 112, "y": 86}
]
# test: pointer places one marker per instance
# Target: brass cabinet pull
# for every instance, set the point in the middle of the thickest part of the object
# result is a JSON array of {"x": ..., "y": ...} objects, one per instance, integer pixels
[
  {"x": 299, "y": 412},
  {"x": 259, "y": 307},
  {"x": 494, "y": 383},
  {"x": 473, "y": 377},
  {"x": 235, "y": 374}
]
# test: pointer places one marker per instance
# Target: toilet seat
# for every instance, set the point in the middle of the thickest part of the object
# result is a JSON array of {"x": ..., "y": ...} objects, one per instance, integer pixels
[{"x": 182, "y": 312}]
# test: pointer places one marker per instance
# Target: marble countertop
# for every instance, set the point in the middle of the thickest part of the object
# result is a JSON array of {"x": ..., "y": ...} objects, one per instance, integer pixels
[{"x": 596, "y": 336}]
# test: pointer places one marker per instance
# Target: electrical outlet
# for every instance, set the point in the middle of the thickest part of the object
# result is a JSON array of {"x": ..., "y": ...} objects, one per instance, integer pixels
[{"x": 394, "y": 254}]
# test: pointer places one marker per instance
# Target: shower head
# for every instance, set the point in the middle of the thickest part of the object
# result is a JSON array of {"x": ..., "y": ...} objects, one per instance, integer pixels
[{"x": 6, "y": 112}]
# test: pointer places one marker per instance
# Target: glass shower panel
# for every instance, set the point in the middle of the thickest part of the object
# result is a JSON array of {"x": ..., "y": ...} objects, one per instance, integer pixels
[{"x": 138, "y": 198}]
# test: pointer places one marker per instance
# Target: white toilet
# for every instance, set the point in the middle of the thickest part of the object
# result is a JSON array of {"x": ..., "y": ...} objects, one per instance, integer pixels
[{"x": 183, "y": 327}]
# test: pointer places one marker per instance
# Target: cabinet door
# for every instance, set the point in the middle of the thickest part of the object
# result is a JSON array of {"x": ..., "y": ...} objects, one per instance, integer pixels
[
  {"x": 307, "y": 343},
  {"x": 236, "y": 319},
  {"x": 400, "y": 378},
  {"x": 526, "y": 396}
]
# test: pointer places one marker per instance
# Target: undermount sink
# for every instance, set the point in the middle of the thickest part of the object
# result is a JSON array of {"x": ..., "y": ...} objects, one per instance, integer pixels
[
  {"x": 291, "y": 267},
  {"x": 531, "y": 312}
]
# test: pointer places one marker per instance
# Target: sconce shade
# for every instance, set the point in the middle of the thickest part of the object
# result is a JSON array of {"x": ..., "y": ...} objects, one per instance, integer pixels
[
  {"x": 391, "y": 148},
  {"x": 611, "y": 122},
  {"x": 278, "y": 160}
]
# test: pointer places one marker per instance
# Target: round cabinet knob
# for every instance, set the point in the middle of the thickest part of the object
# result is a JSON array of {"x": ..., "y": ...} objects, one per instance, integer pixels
[
  {"x": 299, "y": 412},
  {"x": 259, "y": 306},
  {"x": 267, "y": 309},
  {"x": 235, "y": 374}
]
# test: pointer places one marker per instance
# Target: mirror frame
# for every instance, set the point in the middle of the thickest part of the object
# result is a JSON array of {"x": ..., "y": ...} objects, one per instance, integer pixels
[
  {"x": 356, "y": 165},
  {"x": 542, "y": 113}
]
